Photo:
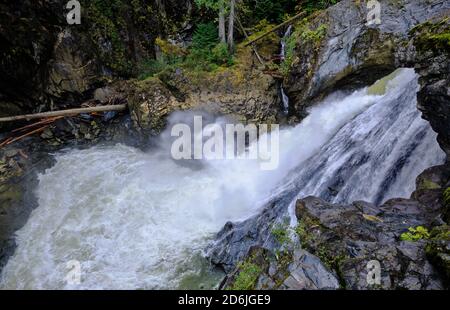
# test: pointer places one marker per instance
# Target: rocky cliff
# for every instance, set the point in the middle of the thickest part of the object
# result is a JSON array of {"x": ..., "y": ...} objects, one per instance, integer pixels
[
  {"x": 46, "y": 63},
  {"x": 330, "y": 247},
  {"x": 342, "y": 51}
]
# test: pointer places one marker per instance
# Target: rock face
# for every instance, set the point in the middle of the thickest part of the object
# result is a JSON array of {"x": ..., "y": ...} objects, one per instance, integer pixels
[
  {"x": 151, "y": 103},
  {"x": 46, "y": 63},
  {"x": 349, "y": 237},
  {"x": 242, "y": 92},
  {"x": 353, "y": 54},
  {"x": 299, "y": 270},
  {"x": 432, "y": 62},
  {"x": 335, "y": 243}
]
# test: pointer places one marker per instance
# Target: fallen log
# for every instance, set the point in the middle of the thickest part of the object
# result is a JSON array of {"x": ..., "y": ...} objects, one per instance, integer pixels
[
  {"x": 288, "y": 22},
  {"x": 253, "y": 46},
  {"x": 70, "y": 112}
]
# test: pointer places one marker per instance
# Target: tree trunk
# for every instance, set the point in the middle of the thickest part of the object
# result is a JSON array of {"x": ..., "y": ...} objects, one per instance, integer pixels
[
  {"x": 231, "y": 26},
  {"x": 71, "y": 112},
  {"x": 222, "y": 34}
]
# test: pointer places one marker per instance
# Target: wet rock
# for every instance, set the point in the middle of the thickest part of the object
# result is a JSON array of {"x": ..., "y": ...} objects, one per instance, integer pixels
[
  {"x": 288, "y": 271},
  {"x": 151, "y": 104},
  {"x": 353, "y": 53},
  {"x": 432, "y": 63},
  {"x": 307, "y": 272},
  {"x": 11, "y": 152},
  {"x": 47, "y": 134},
  {"x": 235, "y": 239},
  {"x": 430, "y": 186},
  {"x": 104, "y": 94},
  {"x": 338, "y": 241},
  {"x": 347, "y": 241}
]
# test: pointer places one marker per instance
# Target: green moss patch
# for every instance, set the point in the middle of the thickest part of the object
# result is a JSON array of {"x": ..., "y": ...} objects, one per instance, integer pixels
[{"x": 247, "y": 277}]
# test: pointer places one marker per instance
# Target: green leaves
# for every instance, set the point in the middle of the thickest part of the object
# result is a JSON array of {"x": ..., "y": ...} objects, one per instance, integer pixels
[
  {"x": 447, "y": 197},
  {"x": 415, "y": 234},
  {"x": 210, "y": 4},
  {"x": 247, "y": 277},
  {"x": 205, "y": 37},
  {"x": 311, "y": 6}
]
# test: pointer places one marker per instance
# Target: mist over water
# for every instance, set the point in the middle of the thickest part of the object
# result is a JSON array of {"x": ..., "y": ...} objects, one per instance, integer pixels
[{"x": 138, "y": 220}]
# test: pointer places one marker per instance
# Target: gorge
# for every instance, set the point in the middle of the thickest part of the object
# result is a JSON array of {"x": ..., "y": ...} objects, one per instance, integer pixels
[{"x": 363, "y": 152}]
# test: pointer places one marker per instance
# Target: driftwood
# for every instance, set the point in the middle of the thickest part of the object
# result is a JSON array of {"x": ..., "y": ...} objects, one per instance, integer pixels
[
  {"x": 26, "y": 135},
  {"x": 288, "y": 22},
  {"x": 43, "y": 122},
  {"x": 70, "y": 112},
  {"x": 5, "y": 142}
]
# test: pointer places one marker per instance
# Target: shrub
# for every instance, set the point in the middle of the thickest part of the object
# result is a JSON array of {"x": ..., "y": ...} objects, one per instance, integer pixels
[
  {"x": 306, "y": 36},
  {"x": 247, "y": 277},
  {"x": 415, "y": 234},
  {"x": 206, "y": 53},
  {"x": 205, "y": 37},
  {"x": 311, "y": 6},
  {"x": 168, "y": 49},
  {"x": 221, "y": 56},
  {"x": 447, "y": 196},
  {"x": 151, "y": 67},
  {"x": 281, "y": 234}
]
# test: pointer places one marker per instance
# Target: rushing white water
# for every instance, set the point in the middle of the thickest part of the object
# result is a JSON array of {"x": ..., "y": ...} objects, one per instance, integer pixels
[
  {"x": 139, "y": 220},
  {"x": 376, "y": 156}
]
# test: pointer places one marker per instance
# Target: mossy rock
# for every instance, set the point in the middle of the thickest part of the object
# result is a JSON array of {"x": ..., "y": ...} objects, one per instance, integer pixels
[
  {"x": 438, "y": 250},
  {"x": 428, "y": 185},
  {"x": 432, "y": 36},
  {"x": 380, "y": 87}
]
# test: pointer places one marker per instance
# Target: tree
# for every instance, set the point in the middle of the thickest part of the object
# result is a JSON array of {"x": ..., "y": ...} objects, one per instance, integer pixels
[
  {"x": 216, "y": 5},
  {"x": 222, "y": 6},
  {"x": 222, "y": 34}
]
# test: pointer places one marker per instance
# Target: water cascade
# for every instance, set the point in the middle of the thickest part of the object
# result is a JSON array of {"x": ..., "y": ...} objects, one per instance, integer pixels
[
  {"x": 284, "y": 97},
  {"x": 136, "y": 220}
]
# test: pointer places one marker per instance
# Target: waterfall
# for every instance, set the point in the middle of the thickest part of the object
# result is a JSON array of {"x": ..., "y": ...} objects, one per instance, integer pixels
[
  {"x": 286, "y": 35},
  {"x": 284, "y": 97},
  {"x": 376, "y": 156},
  {"x": 285, "y": 100},
  {"x": 136, "y": 220}
]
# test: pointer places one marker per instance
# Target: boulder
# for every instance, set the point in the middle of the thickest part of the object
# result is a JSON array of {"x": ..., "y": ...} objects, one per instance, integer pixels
[{"x": 347, "y": 239}]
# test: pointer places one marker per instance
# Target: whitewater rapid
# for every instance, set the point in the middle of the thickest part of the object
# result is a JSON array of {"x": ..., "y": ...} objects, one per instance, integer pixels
[{"x": 136, "y": 220}]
